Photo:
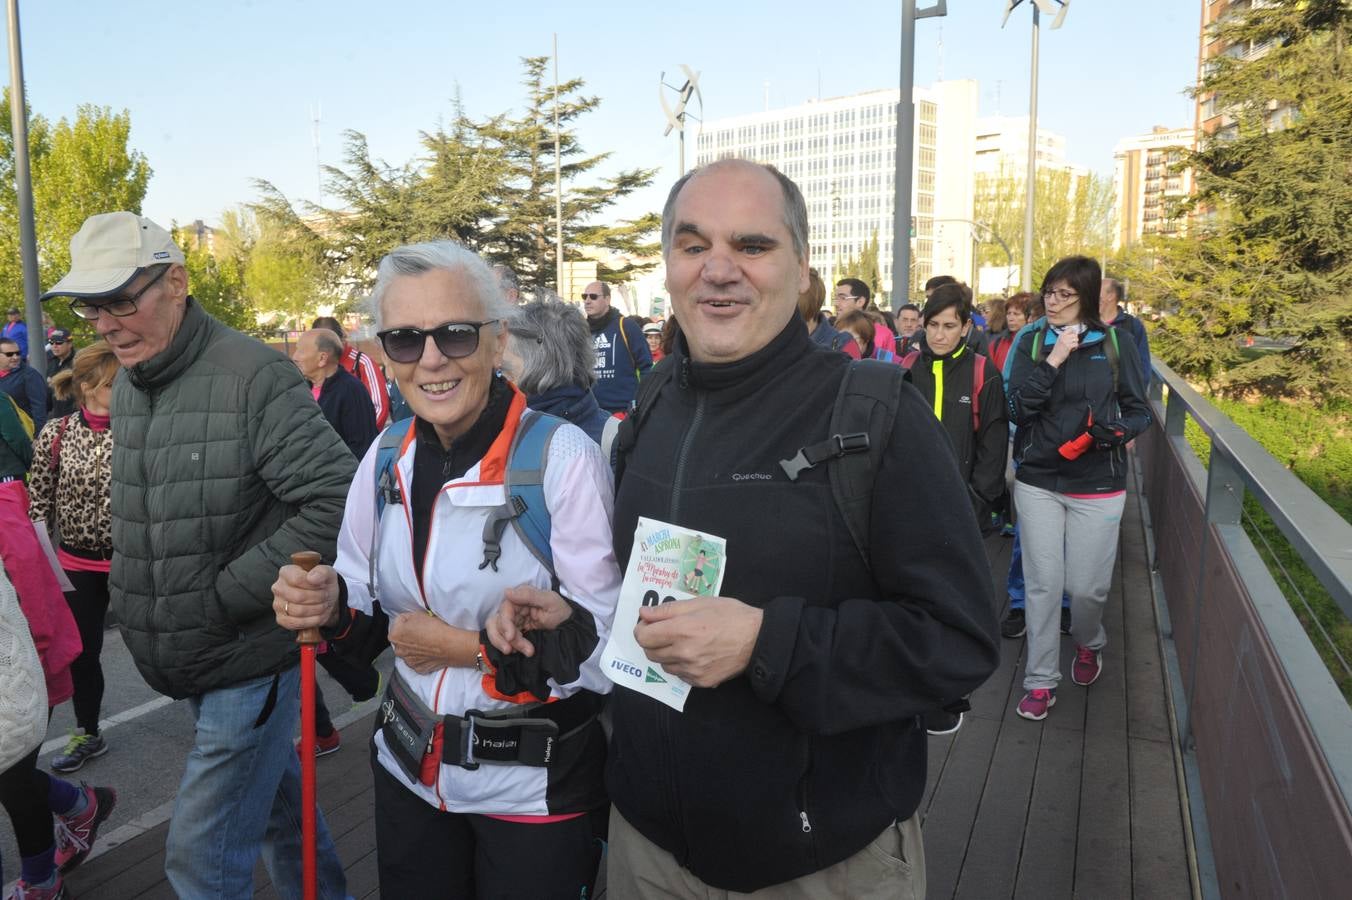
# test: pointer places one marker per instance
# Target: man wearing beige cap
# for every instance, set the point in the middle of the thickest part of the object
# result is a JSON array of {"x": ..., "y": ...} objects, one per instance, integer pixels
[{"x": 222, "y": 467}]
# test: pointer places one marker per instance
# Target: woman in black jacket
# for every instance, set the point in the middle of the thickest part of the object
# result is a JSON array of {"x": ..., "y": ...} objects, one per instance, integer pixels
[
  {"x": 969, "y": 404},
  {"x": 1076, "y": 400},
  {"x": 964, "y": 390}
]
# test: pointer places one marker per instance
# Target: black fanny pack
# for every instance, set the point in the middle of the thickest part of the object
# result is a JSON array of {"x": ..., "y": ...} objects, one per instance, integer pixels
[{"x": 421, "y": 740}]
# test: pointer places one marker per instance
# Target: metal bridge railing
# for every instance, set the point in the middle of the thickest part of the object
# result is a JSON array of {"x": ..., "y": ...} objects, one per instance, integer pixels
[{"x": 1265, "y": 733}]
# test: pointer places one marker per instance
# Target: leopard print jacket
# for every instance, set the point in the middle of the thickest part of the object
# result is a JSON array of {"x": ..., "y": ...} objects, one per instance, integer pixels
[{"x": 75, "y": 498}]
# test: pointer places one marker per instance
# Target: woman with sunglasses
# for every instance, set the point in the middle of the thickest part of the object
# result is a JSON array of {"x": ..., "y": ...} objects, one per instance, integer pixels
[
  {"x": 495, "y": 809},
  {"x": 1076, "y": 401}
]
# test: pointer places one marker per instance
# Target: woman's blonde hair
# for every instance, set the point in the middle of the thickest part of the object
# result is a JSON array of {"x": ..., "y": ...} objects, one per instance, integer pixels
[{"x": 95, "y": 366}]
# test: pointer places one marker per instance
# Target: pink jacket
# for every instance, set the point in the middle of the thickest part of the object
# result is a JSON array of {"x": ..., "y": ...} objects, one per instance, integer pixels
[{"x": 49, "y": 618}]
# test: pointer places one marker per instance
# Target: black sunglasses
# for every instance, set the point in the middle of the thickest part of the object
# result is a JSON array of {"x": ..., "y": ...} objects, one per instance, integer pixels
[
  {"x": 591, "y": 296},
  {"x": 455, "y": 340},
  {"x": 9, "y": 352}
]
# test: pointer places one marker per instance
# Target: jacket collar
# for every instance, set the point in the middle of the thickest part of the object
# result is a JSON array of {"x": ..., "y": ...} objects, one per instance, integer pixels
[
  {"x": 603, "y": 321},
  {"x": 951, "y": 356},
  {"x": 1087, "y": 337},
  {"x": 567, "y": 401},
  {"x": 184, "y": 349},
  {"x": 734, "y": 380}
]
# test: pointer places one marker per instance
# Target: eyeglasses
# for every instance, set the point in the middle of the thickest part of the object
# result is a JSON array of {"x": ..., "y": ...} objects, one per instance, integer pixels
[
  {"x": 9, "y": 352},
  {"x": 591, "y": 296},
  {"x": 56, "y": 341},
  {"x": 120, "y": 306},
  {"x": 455, "y": 340},
  {"x": 1060, "y": 296}
]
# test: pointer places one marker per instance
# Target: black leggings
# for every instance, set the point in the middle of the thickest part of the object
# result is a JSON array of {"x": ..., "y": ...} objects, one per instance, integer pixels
[
  {"x": 89, "y": 604},
  {"x": 23, "y": 792},
  {"x": 424, "y": 852}
]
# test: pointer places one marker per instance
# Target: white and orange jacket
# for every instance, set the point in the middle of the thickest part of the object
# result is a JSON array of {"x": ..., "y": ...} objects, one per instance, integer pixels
[{"x": 578, "y": 489}]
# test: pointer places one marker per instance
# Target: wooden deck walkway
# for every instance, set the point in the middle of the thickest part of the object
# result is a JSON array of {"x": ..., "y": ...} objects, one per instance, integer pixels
[{"x": 1086, "y": 804}]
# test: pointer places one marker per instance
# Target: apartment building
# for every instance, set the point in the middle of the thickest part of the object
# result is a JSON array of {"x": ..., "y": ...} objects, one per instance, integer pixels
[{"x": 1148, "y": 185}]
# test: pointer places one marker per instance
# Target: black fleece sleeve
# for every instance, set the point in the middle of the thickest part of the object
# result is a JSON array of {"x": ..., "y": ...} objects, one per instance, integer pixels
[
  {"x": 932, "y": 635},
  {"x": 992, "y": 440},
  {"x": 1030, "y": 383}
]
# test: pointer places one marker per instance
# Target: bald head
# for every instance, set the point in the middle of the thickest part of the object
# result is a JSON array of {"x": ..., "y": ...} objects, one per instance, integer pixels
[
  {"x": 794, "y": 207},
  {"x": 317, "y": 354}
]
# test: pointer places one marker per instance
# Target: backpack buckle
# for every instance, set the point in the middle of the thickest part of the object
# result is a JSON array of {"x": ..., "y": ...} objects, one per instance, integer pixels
[
  {"x": 834, "y": 447},
  {"x": 851, "y": 443}
]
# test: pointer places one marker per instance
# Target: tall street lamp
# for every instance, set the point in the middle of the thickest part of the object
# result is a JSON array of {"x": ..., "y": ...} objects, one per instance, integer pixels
[
  {"x": 1059, "y": 7},
  {"x": 901, "y": 184},
  {"x": 23, "y": 188}
]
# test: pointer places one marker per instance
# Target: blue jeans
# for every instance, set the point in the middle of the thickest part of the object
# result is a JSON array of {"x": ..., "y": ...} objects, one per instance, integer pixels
[
  {"x": 241, "y": 792},
  {"x": 1014, "y": 583}
]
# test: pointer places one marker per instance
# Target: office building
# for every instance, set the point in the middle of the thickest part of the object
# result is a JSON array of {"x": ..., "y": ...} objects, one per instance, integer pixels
[{"x": 841, "y": 152}]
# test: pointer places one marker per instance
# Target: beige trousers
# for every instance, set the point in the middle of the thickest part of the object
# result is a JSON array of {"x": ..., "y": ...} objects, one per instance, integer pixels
[{"x": 892, "y": 867}]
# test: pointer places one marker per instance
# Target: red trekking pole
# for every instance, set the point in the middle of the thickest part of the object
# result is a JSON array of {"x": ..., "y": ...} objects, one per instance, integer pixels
[{"x": 308, "y": 638}]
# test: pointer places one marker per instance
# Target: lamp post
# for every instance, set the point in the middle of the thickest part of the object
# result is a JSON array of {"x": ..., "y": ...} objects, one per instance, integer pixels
[
  {"x": 1059, "y": 7},
  {"x": 23, "y": 188},
  {"x": 901, "y": 185}
]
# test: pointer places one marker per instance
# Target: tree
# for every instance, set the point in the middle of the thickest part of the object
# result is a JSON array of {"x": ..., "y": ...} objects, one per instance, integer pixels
[
  {"x": 522, "y": 233},
  {"x": 79, "y": 167},
  {"x": 1270, "y": 253},
  {"x": 488, "y": 184},
  {"x": 864, "y": 267},
  {"x": 1072, "y": 214},
  {"x": 216, "y": 278}
]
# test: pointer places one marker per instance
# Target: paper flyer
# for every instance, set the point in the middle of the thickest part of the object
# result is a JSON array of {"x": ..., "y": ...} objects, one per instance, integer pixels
[
  {"x": 666, "y": 564},
  {"x": 45, "y": 540}
]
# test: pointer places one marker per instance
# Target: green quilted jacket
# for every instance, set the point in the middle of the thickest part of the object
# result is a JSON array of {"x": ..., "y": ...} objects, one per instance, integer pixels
[{"x": 222, "y": 466}]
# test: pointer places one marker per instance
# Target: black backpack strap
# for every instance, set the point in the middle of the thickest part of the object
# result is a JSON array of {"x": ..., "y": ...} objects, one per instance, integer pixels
[
  {"x": 867, "y": 402},
  {"x": 860, "y": 428},
  {"x": 644, "y": 400}
]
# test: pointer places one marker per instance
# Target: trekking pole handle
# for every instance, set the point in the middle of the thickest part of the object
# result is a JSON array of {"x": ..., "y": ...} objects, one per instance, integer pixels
[{"x": 307, "y": 560}]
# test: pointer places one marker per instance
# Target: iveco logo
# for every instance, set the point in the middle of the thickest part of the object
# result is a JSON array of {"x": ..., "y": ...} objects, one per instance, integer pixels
[{"x": 627, "y": 668}]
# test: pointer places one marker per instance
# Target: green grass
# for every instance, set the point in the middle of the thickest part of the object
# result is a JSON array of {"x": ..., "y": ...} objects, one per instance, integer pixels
[{"x": 1315, "y": 443}]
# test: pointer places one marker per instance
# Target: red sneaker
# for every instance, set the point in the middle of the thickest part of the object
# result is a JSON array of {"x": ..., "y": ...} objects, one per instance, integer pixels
[
  {"x": 75, "y": 835},
  {"x": 1087, "y": 667},
  {"x": 25, "y": 891},
  {"x": 326, "y": 745},
  {"x": 1036, "y": 702}
]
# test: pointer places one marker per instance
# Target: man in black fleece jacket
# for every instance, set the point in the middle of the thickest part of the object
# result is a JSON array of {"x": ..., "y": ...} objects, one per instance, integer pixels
[
  {"x": 340, "y": 396},
  {"x": 798, "y": 756}
]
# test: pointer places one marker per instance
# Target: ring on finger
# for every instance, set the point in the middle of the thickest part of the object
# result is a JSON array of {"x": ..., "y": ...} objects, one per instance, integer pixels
[{"x": 286, "y": 608}]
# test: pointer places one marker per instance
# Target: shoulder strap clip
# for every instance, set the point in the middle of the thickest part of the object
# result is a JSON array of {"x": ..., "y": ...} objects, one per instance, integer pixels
[{"x": 834, "y": 447}]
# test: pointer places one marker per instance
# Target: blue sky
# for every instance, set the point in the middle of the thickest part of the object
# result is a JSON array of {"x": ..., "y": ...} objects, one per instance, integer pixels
[{"x": 222, "y": 92}]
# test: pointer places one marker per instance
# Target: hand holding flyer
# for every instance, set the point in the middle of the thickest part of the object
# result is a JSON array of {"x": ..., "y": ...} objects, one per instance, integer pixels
[{"x": 666, "y": 564}]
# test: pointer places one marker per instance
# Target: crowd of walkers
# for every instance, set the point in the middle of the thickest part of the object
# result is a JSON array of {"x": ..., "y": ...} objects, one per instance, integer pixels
[{"x": 472, "y": 480}]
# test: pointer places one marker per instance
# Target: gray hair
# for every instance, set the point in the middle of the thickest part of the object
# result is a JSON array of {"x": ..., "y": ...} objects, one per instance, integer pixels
[
  {"x": 448, "y": 256},
  {"x": 555, "y": 346},
  {"x": 1115, "y": 288},
  {"x": 795, "y": 208}
]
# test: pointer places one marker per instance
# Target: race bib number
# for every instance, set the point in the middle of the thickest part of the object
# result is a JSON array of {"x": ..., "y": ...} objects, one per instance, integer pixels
[{"x": 667, "y": 564}]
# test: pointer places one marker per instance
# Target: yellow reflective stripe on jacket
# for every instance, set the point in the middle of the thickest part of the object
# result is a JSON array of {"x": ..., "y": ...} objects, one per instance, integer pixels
[{"x": 937, "y": 368}]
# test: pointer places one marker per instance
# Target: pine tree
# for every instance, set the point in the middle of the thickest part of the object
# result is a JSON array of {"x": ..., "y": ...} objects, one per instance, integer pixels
[
  {"x": 522, "y": 233},
  {"x": 1271, "y": 250}
]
